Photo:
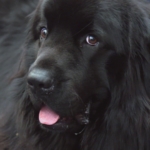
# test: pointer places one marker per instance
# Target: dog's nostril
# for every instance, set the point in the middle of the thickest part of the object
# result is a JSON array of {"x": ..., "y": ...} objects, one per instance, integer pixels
[{"x": 40, "y": 79}]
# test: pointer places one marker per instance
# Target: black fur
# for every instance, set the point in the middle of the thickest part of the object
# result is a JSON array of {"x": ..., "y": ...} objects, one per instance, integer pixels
[{"x": 113, "y": 76}]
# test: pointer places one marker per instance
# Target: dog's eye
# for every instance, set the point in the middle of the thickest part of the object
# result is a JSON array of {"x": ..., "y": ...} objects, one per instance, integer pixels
[
  {"x": 44, "y": 33},
  {"x": 92, "y": 40}
]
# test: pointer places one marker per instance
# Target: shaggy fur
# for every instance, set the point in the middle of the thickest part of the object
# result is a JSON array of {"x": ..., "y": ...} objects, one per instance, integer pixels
[{"x": 113, "y": 75}]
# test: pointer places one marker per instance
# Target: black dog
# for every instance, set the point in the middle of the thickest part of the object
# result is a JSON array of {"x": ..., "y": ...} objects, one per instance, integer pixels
[{"x": 78, "y": 78}]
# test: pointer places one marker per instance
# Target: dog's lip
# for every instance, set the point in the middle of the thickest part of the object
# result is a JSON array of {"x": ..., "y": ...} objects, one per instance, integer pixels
[{"x": 65, "y": 123}]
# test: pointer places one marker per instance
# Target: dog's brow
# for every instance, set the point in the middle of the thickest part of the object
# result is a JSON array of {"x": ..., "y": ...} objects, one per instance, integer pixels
[{"x": 82, "y": 29}]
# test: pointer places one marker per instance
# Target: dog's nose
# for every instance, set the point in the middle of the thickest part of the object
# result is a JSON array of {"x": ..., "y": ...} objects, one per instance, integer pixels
[{"x": 39, "y": 79}]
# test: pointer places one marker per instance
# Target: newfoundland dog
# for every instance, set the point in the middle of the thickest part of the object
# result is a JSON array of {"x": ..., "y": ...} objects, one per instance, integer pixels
[{"x": 75, "y": 75}]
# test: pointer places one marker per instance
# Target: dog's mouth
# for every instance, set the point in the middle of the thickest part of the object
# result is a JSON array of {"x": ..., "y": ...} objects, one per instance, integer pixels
[{"x": 51, "y": 120}]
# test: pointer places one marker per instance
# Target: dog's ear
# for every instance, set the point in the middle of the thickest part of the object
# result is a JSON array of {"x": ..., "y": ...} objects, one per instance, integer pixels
[
  {"x": 139, "y": 48},
  {"x": 132, "y": 80},
  {"x": 139, "y": 32}
]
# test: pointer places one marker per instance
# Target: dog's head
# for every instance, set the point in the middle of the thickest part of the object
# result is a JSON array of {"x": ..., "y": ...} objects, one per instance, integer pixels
[{"x": 80, "y": 54}]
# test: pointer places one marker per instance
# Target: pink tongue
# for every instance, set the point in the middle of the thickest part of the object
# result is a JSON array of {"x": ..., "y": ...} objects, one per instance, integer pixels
[{"x": 47, "y": 116}]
